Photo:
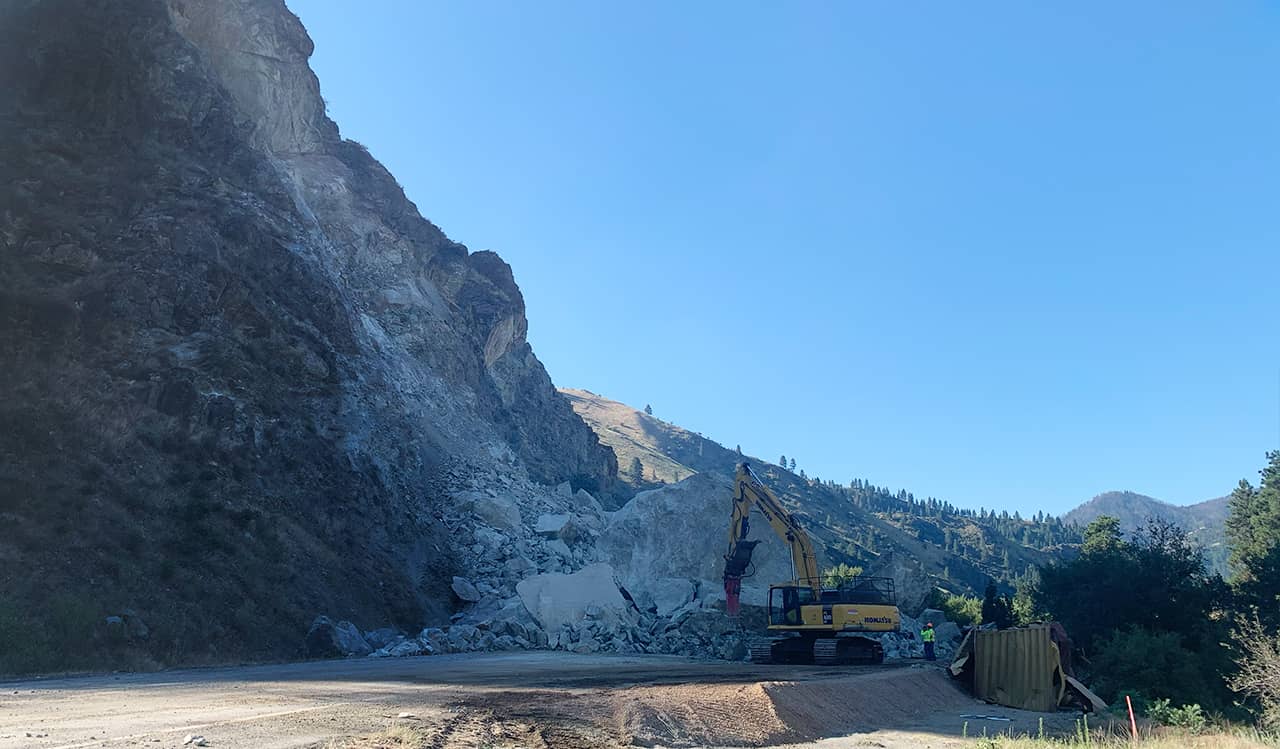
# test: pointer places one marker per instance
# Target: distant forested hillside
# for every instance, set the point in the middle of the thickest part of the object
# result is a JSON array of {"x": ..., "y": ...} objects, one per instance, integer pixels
[{"x": 1205, "y": 522}]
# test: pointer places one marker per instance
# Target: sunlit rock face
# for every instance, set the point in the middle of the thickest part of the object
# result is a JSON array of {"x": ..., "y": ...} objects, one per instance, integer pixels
[{"x": 679, "y": 532}]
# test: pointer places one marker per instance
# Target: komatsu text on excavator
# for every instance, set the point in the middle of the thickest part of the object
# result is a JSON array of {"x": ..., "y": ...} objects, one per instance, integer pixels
[{"x": 807, "y": 624}]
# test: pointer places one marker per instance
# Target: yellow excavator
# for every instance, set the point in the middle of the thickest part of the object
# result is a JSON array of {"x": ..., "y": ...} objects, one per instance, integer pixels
[{"x": 807, "y": 623}]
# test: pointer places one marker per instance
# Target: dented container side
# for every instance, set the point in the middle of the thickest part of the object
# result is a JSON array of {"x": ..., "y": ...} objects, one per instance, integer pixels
[{"x": 1017, "y": 668}]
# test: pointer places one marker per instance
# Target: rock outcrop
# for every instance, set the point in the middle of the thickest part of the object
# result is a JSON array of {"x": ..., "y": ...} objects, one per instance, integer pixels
[
  {"x": 677, "y": 533},
  {"x": 244, "y": 381}
]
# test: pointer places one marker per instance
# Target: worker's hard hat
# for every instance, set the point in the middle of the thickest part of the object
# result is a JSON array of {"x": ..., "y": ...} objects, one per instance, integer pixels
[{"x": 930, "y": 624}]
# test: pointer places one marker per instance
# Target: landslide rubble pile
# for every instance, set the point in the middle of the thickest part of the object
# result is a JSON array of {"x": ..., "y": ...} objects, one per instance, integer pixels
[
  {"x": 542, "y": 574},
  {"x": 556, "y": 571}
]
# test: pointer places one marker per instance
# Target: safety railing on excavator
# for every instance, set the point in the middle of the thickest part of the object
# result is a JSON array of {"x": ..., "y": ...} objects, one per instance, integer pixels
[{"x": 859, "y": 589}]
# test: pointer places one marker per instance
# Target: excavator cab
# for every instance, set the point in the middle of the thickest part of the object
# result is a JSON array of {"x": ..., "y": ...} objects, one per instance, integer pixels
[{"x": 786, "y": 602}]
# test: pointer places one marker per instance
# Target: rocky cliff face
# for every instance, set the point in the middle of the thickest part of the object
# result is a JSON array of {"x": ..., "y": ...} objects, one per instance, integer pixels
[
  {"x": 456, "y": 316},
  {"x": 244, "y": 381}
]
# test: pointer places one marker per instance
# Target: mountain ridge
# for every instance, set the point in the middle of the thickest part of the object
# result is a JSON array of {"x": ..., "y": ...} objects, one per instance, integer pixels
[
  {"x": 669, "y": 453},
  {"x": 923, "y": 544},
  {"x": 1204, "y": 522}
]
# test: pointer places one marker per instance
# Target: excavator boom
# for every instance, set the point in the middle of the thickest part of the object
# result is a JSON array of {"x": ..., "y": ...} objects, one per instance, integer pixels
[{"x": 750, "y": 492}]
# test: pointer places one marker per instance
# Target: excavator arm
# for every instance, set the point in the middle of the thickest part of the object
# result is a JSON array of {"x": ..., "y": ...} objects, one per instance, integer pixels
[{"x": 750, "y": 492}]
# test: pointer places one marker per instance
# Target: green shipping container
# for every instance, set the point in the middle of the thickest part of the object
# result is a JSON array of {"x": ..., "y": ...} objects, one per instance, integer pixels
[{"x": 1018, "y": 668}]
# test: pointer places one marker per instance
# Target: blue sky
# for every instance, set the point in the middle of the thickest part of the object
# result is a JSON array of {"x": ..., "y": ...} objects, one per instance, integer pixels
[{"x": 1008, "y": 257}]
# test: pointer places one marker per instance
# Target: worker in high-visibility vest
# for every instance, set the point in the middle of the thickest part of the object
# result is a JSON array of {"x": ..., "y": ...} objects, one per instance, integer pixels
[{"x": 926, "y": 634}]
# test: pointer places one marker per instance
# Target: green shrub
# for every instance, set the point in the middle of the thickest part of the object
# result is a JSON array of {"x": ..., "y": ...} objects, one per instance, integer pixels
[
  {"x": 962, "y": 609},
  {"x": 1155, "y": 664},
  {"x": 1187, "y": 717},
  {"x": 841, "y": 574}
]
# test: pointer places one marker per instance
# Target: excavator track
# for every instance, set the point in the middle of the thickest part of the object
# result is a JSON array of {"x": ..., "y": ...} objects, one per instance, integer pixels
[
  {"x": 762, "y": 652},
  {"x": 832, "y": 651},
  {"x": 826, "y": 651}
]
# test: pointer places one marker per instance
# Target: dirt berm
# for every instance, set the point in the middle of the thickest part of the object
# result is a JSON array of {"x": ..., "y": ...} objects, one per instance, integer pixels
[
  {"x": 735, "y": 713},
  {"x": 786, "y": 711}
]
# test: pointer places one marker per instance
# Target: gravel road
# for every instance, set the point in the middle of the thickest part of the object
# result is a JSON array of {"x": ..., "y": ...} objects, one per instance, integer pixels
[{"x": 501, "y": 699}]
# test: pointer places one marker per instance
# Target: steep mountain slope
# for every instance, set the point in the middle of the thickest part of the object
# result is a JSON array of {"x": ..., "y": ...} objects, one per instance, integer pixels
[
  {"x": 921, "y": 543},
  {"x": 666, "y": 452},
  {"x": 1204, "y": 521},
  {"x": 243, "y": 379}
]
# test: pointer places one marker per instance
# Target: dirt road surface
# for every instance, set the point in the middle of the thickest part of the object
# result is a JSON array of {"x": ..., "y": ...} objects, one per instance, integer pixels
[{"x": 532, "y": 700}]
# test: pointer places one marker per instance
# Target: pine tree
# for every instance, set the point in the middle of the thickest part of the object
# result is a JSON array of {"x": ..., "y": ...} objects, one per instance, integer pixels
[
  {"x": 1102, "y": 536},
  {"x": 793, "y": 464},
  {"x": 996, "y": 608},
  {"x": 1253, "y": 532},
  {"x": 648, "y": 409},
  {"x": 783, "y": 462},
  {"x": 637, "y": 470},
  {"x": 840, "y": 575}
]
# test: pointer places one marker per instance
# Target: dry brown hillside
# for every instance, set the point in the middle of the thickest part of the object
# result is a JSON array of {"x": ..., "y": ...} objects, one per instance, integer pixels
[{"x": 634, "y": 435}]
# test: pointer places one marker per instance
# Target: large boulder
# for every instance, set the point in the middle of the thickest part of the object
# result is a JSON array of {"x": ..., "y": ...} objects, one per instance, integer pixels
[
  {"x": 553, "y": 525},
  {"x": 588, "y": 502},
  {"x": 681, "y": 531},
  {"x": 555, "y": 600},
  {"x": 499, "y": 512},
  {"x": 670, "y": 593},
  {"x": 944, "y": 631},
  {"x": 937, "y": 616},
  {"x": 330, "y": 639},
  {"x": 947, "y": 632},
  {"x": 380, "y": 638},
  {"x": 565, "y": 527}
]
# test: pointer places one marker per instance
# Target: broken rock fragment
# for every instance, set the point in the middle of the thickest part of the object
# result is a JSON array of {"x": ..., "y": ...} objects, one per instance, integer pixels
[
  {"x": 402, "y": 649},
  {"x": 670, "y": 593},
  {"x": 500, "y": 512},
  {"x": 555, "y": 600},
  {"x": 553, "y": 525},
  {"x": 380, "y": 638},
  {"x": 464, "y": 589}
]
